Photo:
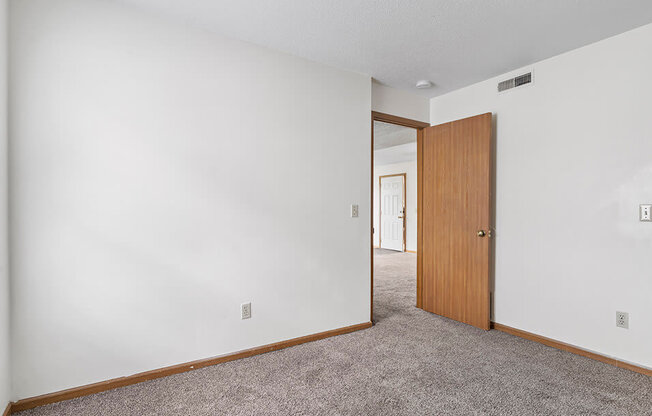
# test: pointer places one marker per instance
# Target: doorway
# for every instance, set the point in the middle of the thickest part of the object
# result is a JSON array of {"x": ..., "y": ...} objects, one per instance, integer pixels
[
  {"x": 454, "y": 215},
  {"x": 392, "y": 214},
  {"x": 395, "y": 216}
]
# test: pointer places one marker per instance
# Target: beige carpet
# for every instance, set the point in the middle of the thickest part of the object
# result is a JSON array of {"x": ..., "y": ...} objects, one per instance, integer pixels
[{"x": 410, "y": 363}]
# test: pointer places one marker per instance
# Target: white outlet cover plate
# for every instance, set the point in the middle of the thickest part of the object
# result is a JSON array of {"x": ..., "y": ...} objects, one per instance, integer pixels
[
  {"x": 645, "y": 212},
  {"x": 245, "y": 310},
  {"x": 622, "y": 319}
]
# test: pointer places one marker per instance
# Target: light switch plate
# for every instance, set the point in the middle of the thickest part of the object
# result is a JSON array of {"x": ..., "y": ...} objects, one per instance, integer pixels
[
  {"x": 645, "y": 212},
  {"x": 354, "y": 211}
]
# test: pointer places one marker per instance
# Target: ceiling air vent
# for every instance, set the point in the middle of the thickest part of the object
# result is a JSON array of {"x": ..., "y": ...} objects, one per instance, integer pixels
[{"x": 515, "y": 82}]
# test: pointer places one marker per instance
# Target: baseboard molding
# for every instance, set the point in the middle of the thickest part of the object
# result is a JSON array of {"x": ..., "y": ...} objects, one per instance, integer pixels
[
  {"x": 570, "y": 348},
  {"x": 7, "y": 410},
  {"x": 86, "y": 390},
  {"x": 407, "y": 251}
]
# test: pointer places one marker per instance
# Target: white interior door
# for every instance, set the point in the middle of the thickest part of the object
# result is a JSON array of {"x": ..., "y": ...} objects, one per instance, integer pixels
[{"x": 392, "y": 212}]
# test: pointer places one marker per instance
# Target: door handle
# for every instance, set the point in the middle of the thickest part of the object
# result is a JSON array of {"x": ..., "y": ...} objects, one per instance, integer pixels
[
  {"x": 401, "y": 217},
  {"x": 483, "y": 233}
]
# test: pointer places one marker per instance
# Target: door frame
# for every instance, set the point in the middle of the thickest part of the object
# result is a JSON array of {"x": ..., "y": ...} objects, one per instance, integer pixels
[
  {"x": 380, "y": 208},
  {"x": 419, "y": 126}
]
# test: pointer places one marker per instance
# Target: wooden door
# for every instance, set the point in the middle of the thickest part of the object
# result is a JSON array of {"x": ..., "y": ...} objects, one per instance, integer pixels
[
  {"x": 392, "y": 212},
  {"x": 456, "y": 219}
]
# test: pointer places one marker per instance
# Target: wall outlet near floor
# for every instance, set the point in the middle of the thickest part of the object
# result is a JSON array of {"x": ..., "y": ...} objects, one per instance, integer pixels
[
  {"x": 645, "y": 212},
  {"x": 245, "y": 310},
  {"x": 622, "y": 320}
]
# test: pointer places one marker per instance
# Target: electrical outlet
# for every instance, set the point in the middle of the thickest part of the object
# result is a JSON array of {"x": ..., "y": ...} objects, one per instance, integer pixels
[
  {"x": 245, "y": 310},
  {"x": 354, "y": 211},
  {"x": 645, "y": 212},
  {"x": 622, "y": 320}
]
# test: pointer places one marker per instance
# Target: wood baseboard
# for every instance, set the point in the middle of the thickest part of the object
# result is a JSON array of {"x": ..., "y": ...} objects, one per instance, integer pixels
[
  {"x": 570, "y": 348},
  {"x": 7, "y": 410},
  {"x": 86, "y": 390}
]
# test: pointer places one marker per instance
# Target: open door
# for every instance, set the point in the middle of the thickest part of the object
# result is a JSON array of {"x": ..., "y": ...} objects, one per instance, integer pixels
[{"x": 456, "y": 195}]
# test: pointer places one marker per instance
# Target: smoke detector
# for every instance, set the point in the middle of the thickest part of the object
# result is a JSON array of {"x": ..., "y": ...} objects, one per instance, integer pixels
[{"x": 424, "y": 84}]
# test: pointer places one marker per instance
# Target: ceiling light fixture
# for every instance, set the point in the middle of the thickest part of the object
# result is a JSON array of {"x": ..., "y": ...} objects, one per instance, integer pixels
[{"x": 423, "y": 84}]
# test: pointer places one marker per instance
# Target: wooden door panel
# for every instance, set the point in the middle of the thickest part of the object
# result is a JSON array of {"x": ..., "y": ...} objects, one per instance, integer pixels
[{"x": 456, "y": 199}]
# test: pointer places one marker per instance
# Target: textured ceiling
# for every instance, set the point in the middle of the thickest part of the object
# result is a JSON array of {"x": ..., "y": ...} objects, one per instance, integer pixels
[
  {"x": 453, "y": 43},
  {"x": 396, "y": 154},
  {"x": 388, "y": 135}
]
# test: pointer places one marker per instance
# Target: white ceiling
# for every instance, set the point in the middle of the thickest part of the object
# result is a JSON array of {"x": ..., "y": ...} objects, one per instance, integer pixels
[
  {"x": 388, "y": 135},
  {"x": 394, "y": 144},
  {"x": 396, "y": 154},
  {"x": 453, "y": 43}
]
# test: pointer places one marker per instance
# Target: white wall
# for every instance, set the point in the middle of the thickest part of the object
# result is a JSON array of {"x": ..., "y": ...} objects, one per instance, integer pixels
[
  {"x": 163, "y": 175},
  {"x": 5, "y": 384},
  {"x": 573, "y": 164},
  {"x": 410, "y": 169},
  {"x": 399, "y": 103}
]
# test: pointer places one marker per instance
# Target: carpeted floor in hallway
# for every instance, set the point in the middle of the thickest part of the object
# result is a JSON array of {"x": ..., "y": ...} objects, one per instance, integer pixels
[{"x": 410, "y": 363}]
